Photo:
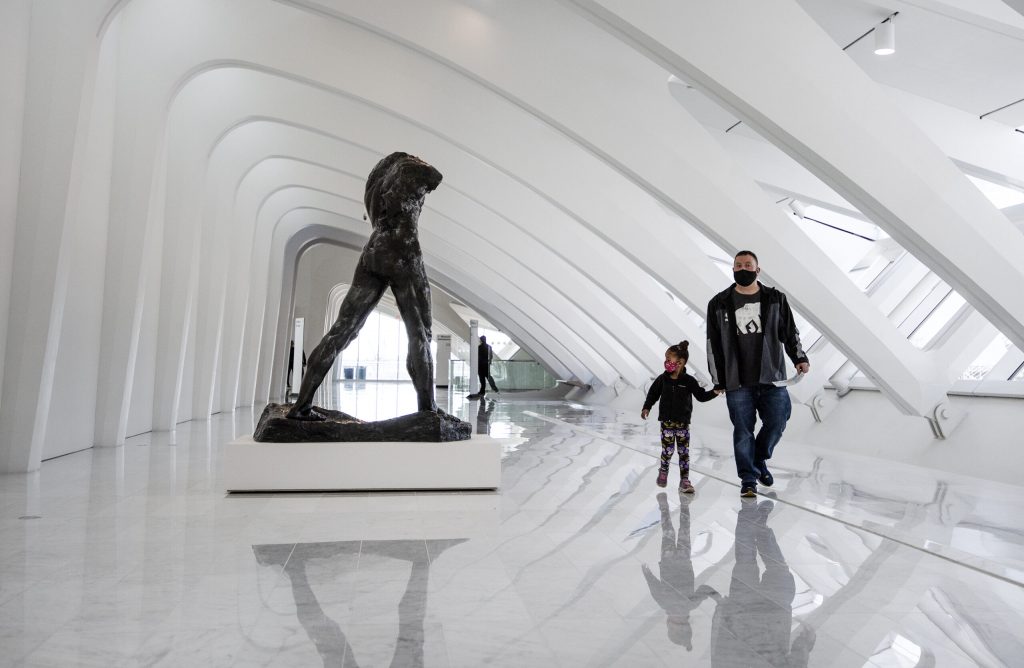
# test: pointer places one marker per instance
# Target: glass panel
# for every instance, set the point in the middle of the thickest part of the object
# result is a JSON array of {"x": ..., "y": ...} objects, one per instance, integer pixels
[
  {"x": 863, "y": 278},
  {"x": 1001, "y": 196},
  {"x": 843, "y": 239},
  {"x": 988, "y": 358},
  {"x": 510, "y": 375},
  {"x": 937, "y": 319},
  {"x": 377, "y": 353},
  {"x": 521, "y": 375}
]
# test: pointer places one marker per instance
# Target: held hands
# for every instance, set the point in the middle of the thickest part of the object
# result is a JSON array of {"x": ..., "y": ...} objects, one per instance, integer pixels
[
  {"x": 644, "y": 413},
  {"x": 803, "y": 367}
]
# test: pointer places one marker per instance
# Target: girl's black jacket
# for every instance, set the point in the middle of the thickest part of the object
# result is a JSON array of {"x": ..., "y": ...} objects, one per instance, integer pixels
[{"x": 676, "y": 396}]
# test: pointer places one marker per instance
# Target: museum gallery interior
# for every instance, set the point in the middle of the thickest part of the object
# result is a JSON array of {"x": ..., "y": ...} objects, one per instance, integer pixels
[{"x": 512, "y": 332}]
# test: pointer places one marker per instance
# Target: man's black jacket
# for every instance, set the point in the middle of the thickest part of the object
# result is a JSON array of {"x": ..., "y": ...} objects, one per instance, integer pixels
[{"x": 781, "y": 339}]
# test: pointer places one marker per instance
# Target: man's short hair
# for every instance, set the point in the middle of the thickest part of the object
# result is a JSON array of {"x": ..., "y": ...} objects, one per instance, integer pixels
[{"x": 747, "y": 252}]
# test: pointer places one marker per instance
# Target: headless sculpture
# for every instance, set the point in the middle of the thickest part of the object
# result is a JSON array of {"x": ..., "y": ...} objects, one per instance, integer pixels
[{"x": 391, "y": 258}]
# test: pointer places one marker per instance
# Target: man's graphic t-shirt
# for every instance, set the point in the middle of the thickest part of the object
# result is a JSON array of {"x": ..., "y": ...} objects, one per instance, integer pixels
[{"x": 749, "y": 336}]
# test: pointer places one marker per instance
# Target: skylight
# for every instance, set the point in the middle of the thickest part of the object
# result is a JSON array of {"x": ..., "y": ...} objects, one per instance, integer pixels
[{"x": 1001, "y": 196}]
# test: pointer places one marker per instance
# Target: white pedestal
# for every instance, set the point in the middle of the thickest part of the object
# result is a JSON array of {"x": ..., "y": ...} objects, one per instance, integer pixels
[{"x": 292, "y": 467}]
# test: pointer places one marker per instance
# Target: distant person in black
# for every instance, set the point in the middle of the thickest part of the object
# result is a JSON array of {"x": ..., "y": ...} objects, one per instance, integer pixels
[
  {"x": 483, "y": 369},
  {"x": 291, "y": 365},
  {"x": 676, "y": 389}
]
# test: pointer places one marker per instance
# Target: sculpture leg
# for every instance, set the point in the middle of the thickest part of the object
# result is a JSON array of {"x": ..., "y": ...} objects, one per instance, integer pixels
[
  {"x": 362, "y": 297},
  {"x": 412, "y": 292}
]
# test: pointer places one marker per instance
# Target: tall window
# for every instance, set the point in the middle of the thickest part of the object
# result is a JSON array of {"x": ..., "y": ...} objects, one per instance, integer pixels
[{"x": 379, "y": 351}]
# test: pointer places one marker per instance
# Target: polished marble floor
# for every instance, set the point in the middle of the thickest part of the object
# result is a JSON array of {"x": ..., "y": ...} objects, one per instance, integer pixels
[{"x": 136, "y": 556}]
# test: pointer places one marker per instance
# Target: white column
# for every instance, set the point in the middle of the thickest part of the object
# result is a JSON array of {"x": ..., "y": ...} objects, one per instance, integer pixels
[
  {"x": 474, "y": 342},
  {"x": 136, "y": 224},
  {"x": 15, "y": 19},
  {"x": 60, "y": 68},
  {"x": 298, "y": 340},
  {"x": 441, "y": 363}
]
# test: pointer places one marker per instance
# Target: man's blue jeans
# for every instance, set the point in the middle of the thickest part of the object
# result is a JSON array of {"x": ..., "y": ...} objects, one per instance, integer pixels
[{"x": 773, "y": 406}]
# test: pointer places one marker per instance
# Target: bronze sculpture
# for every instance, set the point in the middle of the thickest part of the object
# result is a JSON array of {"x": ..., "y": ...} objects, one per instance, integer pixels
[{"x": 395, "y": 190}]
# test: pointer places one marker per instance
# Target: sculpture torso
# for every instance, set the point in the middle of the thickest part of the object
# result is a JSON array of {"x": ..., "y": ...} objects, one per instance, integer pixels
[{"x": 394, "y": 245}]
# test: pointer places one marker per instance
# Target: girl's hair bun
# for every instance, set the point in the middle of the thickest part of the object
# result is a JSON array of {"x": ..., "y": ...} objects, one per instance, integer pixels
[{"x": 681, "y": 350}]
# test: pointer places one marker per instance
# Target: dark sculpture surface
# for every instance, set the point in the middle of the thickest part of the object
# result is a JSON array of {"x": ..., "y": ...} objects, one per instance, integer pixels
[
  {"x": 395, "y": 190},
  {"x": 431, "y": 426}
]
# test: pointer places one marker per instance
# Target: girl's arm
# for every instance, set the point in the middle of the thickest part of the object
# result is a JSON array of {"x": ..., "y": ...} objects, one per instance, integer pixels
[
  {"x": 654, "y": 393},
  {"x": 699, "y": 392}
]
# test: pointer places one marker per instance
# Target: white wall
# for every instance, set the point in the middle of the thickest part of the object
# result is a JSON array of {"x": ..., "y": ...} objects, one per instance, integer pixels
[
  {"x": 321, "y": 267},
  {"x": 14, "y": 31},
  {"x": 986, "y": 445},
  {"x": 73, "y": 405}
]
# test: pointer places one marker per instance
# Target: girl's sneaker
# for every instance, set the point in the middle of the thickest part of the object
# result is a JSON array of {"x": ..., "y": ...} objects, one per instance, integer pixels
[
  {"x": 662, "y": 478},
  {"x": 685, "y": 487}
]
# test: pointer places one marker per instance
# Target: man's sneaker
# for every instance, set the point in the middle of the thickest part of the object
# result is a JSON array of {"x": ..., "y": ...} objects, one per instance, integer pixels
[
  {"x": 748, "y": 491},
  {"x": 766, "y": 478},
  {"x": 685, "y": 487},
  {"x": 662, "y": 478}
]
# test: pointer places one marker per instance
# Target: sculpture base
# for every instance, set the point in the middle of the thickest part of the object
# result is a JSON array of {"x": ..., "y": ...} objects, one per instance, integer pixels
[
  {"x": 426, "y": 426},
  {"x": 319, "y": 467}
]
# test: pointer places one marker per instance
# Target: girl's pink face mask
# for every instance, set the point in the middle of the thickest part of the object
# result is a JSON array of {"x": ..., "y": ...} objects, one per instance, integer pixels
[{"x": 671, "y": 366}]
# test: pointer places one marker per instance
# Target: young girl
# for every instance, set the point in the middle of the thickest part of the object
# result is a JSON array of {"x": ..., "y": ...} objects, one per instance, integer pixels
[{"x": 676, "y": 388}]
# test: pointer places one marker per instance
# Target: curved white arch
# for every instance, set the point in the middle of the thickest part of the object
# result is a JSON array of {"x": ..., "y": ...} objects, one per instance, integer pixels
[
  {"x": 899, "y": 365},
  {"x": 315, "y": 224},
  {"x": 636, "y": 157}
]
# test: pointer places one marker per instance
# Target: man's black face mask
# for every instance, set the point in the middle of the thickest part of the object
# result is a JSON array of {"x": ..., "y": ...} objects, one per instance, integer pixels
[{"x": 744, "y": 277}]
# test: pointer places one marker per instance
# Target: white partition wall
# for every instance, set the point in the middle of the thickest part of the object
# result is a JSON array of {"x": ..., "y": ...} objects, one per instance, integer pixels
[{"x": 165, "y": 165}]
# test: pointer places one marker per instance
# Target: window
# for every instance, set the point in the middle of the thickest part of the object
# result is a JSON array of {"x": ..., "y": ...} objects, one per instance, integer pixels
[
  {"x": 988, "y": 358},
  {"x": 1001, "y": 196},
  {"x": 937, "y": 319},
  {"x": 378, "y": 352}
]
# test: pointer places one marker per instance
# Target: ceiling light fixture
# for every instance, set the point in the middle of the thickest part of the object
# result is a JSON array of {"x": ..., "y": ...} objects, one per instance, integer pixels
[
  {"x": 885, "y": 37},
  {"x": 797, "y": 207}
]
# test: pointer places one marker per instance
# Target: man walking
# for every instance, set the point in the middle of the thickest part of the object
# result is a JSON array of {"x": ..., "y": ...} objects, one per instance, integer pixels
[
  {"x": 483, "y": 369},
  {"x": 750, "y": 332}
]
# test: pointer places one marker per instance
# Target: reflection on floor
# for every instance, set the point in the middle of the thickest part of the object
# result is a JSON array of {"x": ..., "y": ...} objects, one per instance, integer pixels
[{"x": 135, "y": 556}]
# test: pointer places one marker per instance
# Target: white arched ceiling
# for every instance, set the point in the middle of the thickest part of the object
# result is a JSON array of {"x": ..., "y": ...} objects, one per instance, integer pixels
[
  {"x": 440, "y": 251},
  {"x": 856, "y": 140},
  {"x": 895, "y": 363},
  {"x": 493, "y": 260},
  {"x": 577, "y": 147},
  {"x": 655, "y": 311},
  {"x": 701, "y": 185},
  {"x": 636, "y": 297},
  {"x": 300, "y": 227}
]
